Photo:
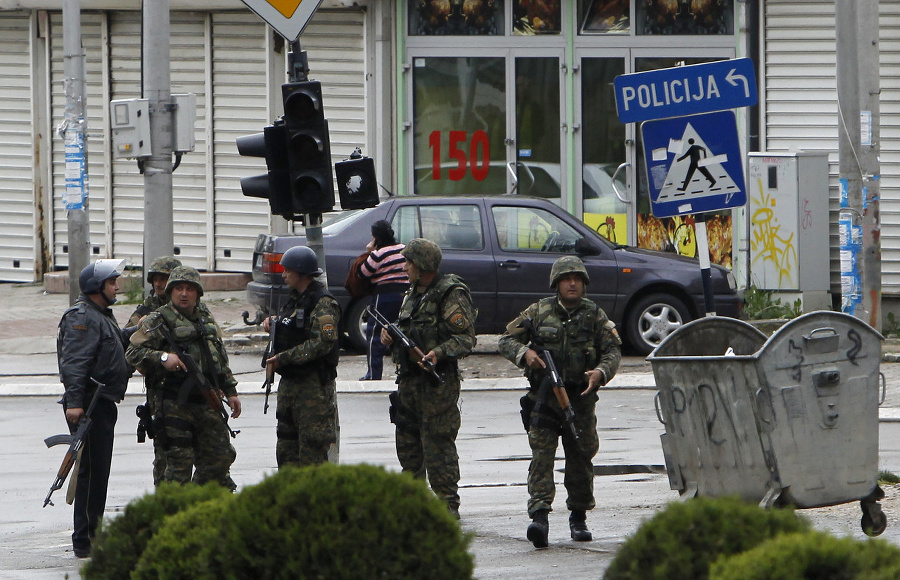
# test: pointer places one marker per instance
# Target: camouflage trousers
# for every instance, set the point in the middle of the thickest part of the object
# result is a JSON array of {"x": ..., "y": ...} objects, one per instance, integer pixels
[
  {"x": 579, "y": 470},
  {"x": 154, "y": 402},
  {"x": 307, "y": 420},
  {"x": 195, "y": 436},
  {"x": 427, "y": 445}
]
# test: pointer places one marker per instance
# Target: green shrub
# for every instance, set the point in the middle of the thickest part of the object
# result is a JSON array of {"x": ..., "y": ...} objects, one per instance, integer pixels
[
  {"x": 351, "y": 521},
  {"x": 120, "y": 542},
  {"x": 811, "y": 556},
  {"x": 682, "y": 540},
  {"x": 759, "y": 305},
  {"x": 181, "y": 549}
]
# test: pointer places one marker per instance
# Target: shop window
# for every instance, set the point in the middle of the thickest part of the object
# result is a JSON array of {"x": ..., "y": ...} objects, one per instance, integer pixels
[
  {"x": 459, "y": 109},
  {"x": 536, "y": 17},
  {"x": 456, "y": 17},
  {"x": 605, "y": 16},
  {"x": 654, "y": 17}
]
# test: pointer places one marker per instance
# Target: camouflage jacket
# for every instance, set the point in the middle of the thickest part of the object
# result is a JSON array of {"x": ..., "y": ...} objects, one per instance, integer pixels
[
  {"x": 579, "y": 340},
  {"x": 149, "y": 304},
  {"x": 148, "y": 344},
  {"x": 440, "y": 319}
]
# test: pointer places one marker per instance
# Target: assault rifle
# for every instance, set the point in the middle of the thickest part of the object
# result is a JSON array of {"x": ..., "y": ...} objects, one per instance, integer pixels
[
  {"x": 270, "y": 368},
  {"x": 552, "y": 379},
  {"x": 75, "y": 442},
  {"x": 209, "y": 392},
  {"x": 415, "y": 352}
]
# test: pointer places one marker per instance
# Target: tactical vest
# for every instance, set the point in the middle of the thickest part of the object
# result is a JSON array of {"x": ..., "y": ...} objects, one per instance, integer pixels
[
  {"x": 420, "y": 316},
  {"x": 293, "y": 325},
  {"x": 188, "y": 335},
  {"x": 570, "y": 340}
]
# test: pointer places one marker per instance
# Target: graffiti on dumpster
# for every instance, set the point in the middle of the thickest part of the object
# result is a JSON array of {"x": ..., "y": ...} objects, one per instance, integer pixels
[
  {"x": 856, "y": 339},
  {"x": 797, "y": 352}
]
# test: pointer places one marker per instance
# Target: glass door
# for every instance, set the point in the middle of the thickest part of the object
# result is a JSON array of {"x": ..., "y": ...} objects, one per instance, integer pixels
[
  {"x": 535, "y": 156},
  {"x": 606, "y": 150}
]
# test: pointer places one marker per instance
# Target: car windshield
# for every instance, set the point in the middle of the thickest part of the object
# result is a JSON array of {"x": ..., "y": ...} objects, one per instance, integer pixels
[{"x": 341, "y": 221}]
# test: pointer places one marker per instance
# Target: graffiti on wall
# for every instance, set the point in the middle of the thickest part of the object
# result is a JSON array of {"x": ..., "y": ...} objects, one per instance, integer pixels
[{"x": 772, "y": 248}]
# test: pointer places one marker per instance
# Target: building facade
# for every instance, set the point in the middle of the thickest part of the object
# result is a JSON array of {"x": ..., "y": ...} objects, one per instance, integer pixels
[{"x": 449, "y": 97}]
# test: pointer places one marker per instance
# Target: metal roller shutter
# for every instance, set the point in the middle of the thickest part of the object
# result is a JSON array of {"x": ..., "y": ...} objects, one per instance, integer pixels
[
  {"x": 17, "y": 234},
  {"x": 801, "y": 107}
]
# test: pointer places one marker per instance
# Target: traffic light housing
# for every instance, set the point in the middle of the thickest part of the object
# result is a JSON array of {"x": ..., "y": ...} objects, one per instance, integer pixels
[
  {"x": 356, "y": 182},
  {"x": 276, "y": 184},
  {"x": 308, "y": 148}
]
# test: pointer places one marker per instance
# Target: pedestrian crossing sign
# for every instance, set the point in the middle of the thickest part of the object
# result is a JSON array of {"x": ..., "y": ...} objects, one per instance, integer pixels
[{"x": 693, "y": 164}]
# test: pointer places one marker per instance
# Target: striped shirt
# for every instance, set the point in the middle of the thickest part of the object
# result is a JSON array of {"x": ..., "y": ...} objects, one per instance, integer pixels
[{"x": 385, "y": 267}]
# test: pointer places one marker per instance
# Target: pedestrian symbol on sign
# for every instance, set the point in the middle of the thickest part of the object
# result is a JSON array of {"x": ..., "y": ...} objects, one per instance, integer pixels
[{"x": 689, "y": 174}]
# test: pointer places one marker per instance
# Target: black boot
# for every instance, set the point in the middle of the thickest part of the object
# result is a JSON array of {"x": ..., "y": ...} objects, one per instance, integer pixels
[
  {"x": 538, "y": 529},
  {"x": 578, "y": 526}
]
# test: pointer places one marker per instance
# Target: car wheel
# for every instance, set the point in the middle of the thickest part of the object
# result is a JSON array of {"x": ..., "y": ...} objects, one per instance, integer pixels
[
  {"x": 652, "y": 319},
  {"x": 355, "y": 325}
]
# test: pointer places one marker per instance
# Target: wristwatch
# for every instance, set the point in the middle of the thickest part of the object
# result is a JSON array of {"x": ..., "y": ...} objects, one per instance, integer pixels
[{"x": 163, "y": 357}]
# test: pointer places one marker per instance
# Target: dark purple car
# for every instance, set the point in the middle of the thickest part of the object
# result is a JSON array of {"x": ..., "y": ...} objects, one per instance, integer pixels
[{"x": 503, "y": 247}]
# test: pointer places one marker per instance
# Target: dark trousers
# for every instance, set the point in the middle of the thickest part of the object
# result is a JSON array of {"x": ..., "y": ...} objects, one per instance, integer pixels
[
  {"x": 93, "y": 473},
  {"x": 388, "y": 304}
]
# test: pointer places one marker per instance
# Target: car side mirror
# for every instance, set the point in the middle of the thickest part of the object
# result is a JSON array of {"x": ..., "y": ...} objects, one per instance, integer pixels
[{"x": 584, "y": 247}]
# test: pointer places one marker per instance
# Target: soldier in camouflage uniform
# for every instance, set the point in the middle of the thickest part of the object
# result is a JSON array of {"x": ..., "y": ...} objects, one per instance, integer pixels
[
  {"x": 306, "y": 347},
  {"x": 158, "y": 278},
  {"x": 193, "y": 434},
  {"x": 585, "y": 347},
  {"x": 438, "y": 315}
]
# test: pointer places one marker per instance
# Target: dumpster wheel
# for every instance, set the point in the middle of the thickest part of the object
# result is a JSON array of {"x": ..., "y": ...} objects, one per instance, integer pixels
[{"x": 873, "y": 520}]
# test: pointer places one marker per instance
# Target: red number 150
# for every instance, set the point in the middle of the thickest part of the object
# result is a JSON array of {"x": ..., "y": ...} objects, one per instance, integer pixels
[{"x": 479, "y": 155}]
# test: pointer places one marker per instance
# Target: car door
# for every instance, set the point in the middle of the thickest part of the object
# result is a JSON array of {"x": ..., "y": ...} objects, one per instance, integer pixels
[
  {"x": 458, "y": 227},
  {"x": 527, "y": 239}
]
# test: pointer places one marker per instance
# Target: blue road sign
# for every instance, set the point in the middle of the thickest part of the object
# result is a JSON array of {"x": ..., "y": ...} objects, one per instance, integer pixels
[
  {"x": 686, "y": 90},
  {"x": 693, "y": 164}
]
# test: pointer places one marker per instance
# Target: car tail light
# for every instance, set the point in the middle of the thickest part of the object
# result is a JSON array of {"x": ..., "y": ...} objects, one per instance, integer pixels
[{"x": 271, "y": 263}]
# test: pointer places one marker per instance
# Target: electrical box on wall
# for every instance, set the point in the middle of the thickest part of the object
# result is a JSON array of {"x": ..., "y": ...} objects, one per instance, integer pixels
[
  {"x": 183, "y": 126},
  {"x": 787, "y": 200},
  {"x": 130, "y": 123}
]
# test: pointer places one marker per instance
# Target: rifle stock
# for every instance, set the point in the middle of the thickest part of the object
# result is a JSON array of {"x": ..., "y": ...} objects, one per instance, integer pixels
[
  {"x": 412, "y": 348},
  {"x": 215, "y": 402},
  {"x": 75, "y": 441}
]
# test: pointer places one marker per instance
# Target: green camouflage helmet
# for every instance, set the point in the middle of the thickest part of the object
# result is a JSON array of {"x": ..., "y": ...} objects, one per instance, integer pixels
[
  {"x": 162, "y": 265},
  {"x": 184, "y": 274},
  {"x": 568, "y": 265},
  {"x": 424, "y": 254}
]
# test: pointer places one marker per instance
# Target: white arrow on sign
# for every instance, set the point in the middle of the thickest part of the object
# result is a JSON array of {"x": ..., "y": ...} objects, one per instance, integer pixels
[
  {"x": 287, "y": 17},
  {"x": 730, "y": 78}
]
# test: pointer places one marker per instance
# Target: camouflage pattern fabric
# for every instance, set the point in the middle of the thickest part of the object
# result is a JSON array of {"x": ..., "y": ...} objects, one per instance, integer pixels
[
  {"x": 194, "y": 437},
  {"x": 162, "y": 265},
  {"x": 307, "y": 394},
  {"x": 425, "y": 254},
  {"x": 579, "y": 340},
  {"x": 441, "y": 319},
  {"x": 149, "y": 304}
]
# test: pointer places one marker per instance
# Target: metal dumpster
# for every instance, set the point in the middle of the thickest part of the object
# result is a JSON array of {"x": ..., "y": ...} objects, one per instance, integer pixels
[{"x": 791, "y": 419}]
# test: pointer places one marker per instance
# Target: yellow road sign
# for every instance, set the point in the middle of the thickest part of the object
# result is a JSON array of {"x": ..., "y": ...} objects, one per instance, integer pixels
[{"x": 287, "y": 17}]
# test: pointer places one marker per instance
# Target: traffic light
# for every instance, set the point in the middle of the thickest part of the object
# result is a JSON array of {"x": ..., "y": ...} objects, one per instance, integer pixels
[
  {"x": 309, "y": 150},
  {"x": 276, "y": 184},
  {"x": 356, "y": 182}
]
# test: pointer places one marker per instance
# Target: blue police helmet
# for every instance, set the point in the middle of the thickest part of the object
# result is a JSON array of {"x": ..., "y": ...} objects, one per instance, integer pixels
[{"x": 93, "y": 276}]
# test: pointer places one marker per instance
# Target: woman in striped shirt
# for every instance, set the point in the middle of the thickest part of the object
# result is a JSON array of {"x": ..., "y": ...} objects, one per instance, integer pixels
[{"x": 384, "y": 267}]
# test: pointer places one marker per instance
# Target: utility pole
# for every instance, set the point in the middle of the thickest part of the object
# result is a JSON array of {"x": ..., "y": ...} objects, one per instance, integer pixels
[
  {"x": 159, "y": 239},
  {"x": 859, "y": 131},
  {"x": 73, "y": 130}
]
